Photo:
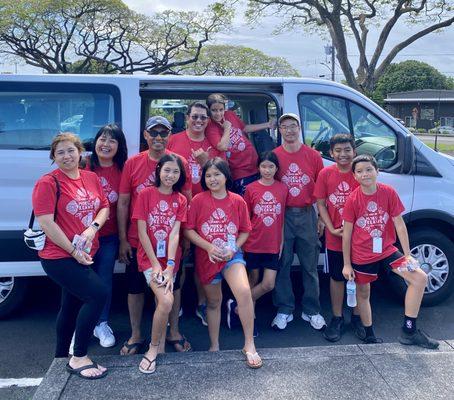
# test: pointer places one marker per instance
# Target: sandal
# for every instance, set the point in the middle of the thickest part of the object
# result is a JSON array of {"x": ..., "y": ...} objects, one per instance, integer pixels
[
  {"x": 132, "y": 348},
  {"x": 150, "y": 363},
  {"x": 250, "y": 357},
  {"x": 78, "y": 371},
  {"x": 183, "y": 344}
]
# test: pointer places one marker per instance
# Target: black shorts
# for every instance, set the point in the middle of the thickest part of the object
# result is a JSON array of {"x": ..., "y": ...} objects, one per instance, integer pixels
[
  {"x": 335, "y": 265},
  {"x": 366, "y": 273},
  {"x": 135, "y": 281},
  {"x": 262, "y": 260}
]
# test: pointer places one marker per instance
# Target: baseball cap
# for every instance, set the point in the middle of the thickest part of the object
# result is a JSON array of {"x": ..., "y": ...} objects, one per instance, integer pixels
[
  {"x": 157, "y": 120},
  {"x": 289, "y": 115}
]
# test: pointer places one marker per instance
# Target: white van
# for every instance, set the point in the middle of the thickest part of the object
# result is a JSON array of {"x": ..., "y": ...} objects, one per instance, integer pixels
[{"x": 34, "y": 108}]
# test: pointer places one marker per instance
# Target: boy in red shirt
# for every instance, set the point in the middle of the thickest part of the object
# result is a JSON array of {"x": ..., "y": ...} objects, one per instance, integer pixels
[
  {"x": 372, "y": 216},
  {"x": 333, "y": 186}
]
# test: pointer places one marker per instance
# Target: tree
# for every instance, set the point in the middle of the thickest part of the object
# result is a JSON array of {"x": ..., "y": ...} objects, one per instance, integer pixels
[
  {"x": 409, "y": 75},
  {"x": 227, "y": 60},
  {"x": 74, "y": 35},
  {"x": 355, "y": 17}
]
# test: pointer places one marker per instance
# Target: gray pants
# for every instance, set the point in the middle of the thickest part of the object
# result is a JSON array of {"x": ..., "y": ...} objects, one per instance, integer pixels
[{"x": 300, "y": 236}]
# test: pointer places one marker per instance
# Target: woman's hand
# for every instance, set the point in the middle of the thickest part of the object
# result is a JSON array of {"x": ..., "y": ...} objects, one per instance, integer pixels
[
  {"x": 89, "y": 234},
  {"x": 337, "y": 232},
  {"x": 348, "y": 272},
  {"x": 215, "y": 254},
  {"x": 228, "y": 254},
  {"x": 82, "y": 258},
  {"x": 272, "y": 124},
  {"x": 167, "y": 280}
]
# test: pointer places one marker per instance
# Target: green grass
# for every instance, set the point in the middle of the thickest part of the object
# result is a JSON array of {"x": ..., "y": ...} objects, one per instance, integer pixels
[{"x": 443, "y": 147}]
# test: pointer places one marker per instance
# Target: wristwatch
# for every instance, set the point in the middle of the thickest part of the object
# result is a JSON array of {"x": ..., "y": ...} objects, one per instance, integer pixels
[{"x": 95, "y": 225}]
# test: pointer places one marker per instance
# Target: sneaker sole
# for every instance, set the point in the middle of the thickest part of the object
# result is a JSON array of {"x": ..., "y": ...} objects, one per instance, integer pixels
[
  {"x": 407, "y": 342},
  {"x": 101, "y": 344},
  {"x": 307, "y": 319},
  {"x": 204, "y": 323},
  {"x": 289, "y": 319}
]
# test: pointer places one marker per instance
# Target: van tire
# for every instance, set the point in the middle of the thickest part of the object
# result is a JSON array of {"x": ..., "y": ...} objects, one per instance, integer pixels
[
  {"x": 14, "y": 296},
  {"x": 437, "y": 239}
]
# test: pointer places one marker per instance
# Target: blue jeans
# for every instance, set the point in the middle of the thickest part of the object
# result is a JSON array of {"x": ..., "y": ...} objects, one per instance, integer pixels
[{"x": 104, "y": 263}]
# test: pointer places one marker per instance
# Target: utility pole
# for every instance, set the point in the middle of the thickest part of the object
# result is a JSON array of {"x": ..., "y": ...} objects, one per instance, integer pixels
[{"x": 331, "y": 50}]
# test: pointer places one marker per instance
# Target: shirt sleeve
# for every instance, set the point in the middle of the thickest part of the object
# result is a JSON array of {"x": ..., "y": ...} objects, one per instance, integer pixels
[
  {"x": 102, "y": 195},
  {"x": 125, "y": 181},
  {"x": 245, "y": 221},
  {"x": 318, "y": 164},
  {"x": 233, "y": 118},
  {"x": 349, "y": 210},
  {"x": 395, "y": 204},
  {"x": 44, "y": 196},
  {"x": 140, "y": 211},
  {"x": 182, "y": 209},
  {"x": 187, "y": 187},
  {"x": 213, "y": 133},
  {"x": 320, "y": 186},
  {"x": 247, "y": 198}
]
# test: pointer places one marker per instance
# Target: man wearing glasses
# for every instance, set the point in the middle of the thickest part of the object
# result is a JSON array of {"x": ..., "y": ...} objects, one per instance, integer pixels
[
  {"x": 193, "y": 145},
  {"x": 139, "y": 173},
  {"x": 299, "y": 166}
]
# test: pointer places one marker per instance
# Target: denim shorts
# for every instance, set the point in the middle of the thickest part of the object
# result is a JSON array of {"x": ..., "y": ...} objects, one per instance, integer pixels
[{"x": 237, "y": 258}]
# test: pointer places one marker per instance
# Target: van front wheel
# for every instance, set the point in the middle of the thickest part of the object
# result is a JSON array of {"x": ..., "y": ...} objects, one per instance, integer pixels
[
  {"x": 12, "y": 294},
  {"x": 435, "y": 253}
]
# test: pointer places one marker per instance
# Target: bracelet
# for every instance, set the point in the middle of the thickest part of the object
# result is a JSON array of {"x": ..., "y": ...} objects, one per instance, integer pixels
[
  {"x": 171, "y": 263},
  {"x": 73, "y": 250}
]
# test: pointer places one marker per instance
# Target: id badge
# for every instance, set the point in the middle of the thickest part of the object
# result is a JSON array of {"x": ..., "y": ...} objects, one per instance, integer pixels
[
  {"x": 161, "y": 249},
  {"x": 231, "y": 242},
  {"x": 195, "y": 170},
  {"x": 377, "y": 245}
]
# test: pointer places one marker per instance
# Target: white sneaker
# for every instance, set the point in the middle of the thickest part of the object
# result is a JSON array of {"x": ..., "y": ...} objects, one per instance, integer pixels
[
  {"x": 317, "y": 321},
  {"x": 71, "y": 346},
  {"x": 104, "y": 334},
  {"x": 280, "y": 320}
]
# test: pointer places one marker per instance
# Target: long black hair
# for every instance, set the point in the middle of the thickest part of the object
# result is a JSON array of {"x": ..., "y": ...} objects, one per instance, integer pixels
[
  {"x": 178, "y": 185},
  {"x": 223, "y": 167},
  {"x": 115, "y": 132}
]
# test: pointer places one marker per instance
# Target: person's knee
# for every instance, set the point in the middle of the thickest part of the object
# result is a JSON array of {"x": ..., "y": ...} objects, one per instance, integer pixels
[
  {"x": 243, "y": 295},
  {"x": 214, "y": 302},
  {"x": 419, "y": 280},
  {"x": 267, "y": 286},
  {"x": 165, "y": 304},
  {"x": 363, "y": 292}
]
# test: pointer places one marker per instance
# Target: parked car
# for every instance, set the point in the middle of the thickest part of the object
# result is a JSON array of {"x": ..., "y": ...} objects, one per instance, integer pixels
[
  {"x": 33, "y": 109},
  {"x": 446, "y": 130}
]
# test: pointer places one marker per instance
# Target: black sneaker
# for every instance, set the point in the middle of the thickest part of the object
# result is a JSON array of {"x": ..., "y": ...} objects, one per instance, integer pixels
[
  {"x": 418, "y": 338},
  {"x": 372, "y": 340},
  {"x": 333, "y": 332},
  {"x": 358, "y": 327}
]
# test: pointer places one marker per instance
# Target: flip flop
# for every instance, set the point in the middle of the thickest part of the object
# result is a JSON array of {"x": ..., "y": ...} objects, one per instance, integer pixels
[
  {"x": 132, "y": 346},
  {"x": 78, "y": 371},
  {"x": 150, "y": 363},
  {"x": 180, "y": 342},
  {"x": 248, "y": 356}
]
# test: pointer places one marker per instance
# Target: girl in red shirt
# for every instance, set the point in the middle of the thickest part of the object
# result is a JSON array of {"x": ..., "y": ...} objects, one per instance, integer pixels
[
  {"x": 266, "y": 200},
  {"x": 107, "y": 161},
  {"x": 218, "y": 224},
  {"x": 71, "y": 207},
  {"x": 228, "y": 133},
  {"x": 159, "y": 212}
]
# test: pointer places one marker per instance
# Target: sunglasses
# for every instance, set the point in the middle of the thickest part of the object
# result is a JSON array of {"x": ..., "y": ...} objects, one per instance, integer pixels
[
  {"x": 154, "y": 133},
  {"x": 195, "y": 117}
]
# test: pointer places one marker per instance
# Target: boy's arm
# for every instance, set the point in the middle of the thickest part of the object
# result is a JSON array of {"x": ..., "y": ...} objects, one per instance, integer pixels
[
  {"x": 323, "y": 212},
  {"x": 346, "y": 248},
  {"x": 402, "y": 234}
]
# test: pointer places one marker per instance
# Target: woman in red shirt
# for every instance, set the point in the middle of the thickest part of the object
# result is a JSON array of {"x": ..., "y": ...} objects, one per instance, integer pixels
[
  {"x": 159, "y": 212},
  {"x": 228, "y": 133},
  {"x": 107, "y": 161},
  {"x": 71, "y": 207},
  {"x": 218, "y": 224}
]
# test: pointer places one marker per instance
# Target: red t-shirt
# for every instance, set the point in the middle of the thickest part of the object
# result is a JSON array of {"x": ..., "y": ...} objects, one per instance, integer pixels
[
  {"x": 241, "y": 154},
  {"x": 79, "y": 202},
  {"x": 139, "y": 173},
  {"x": 110, "y": 182},
  {"x": 183, "y": 145},
  {"x": 299, "y": 171},
  {"x": 266, "y": 206},
  {"x": 215, "y": 220},
  {"x": 159, "y": 211},
  {"x": 371, "y": 216},
  {"x": 334, "y": 187}
]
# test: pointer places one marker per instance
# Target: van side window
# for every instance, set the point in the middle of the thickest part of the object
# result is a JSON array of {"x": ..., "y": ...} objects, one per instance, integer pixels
[
  {"x": 323, "y": 116},
  {"x": 31, "y": 116}
]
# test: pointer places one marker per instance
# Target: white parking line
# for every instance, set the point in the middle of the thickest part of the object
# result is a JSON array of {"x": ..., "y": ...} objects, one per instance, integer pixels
[{"x": 22, "y": 382}]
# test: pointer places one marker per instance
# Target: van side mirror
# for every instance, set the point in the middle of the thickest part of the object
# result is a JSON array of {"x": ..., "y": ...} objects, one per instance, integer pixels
[{"x": 408, "y": 163}]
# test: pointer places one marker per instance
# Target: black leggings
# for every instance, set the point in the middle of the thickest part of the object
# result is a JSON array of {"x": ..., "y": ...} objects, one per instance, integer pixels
[{"x": 82, "y": 300}]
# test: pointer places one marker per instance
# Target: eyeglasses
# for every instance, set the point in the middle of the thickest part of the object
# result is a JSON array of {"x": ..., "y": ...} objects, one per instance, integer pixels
[
  {"x": 155, "y": 133},
  {"x": 195, "y": 117},
  {"x": 292, "y": 127}
]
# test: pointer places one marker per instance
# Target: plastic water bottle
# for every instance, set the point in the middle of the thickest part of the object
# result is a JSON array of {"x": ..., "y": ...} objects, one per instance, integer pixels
[{"x": 351, "y": 293}]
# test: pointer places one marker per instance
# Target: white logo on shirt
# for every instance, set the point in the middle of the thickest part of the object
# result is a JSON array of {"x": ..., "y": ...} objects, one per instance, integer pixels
[
  {"x": 161, "y": 219},
  {"x": 295, "y": 179},
  {"x": 216, "y": 228},
  {"x": 84, "y": 206},
  {"x": 374, "y": 220},
  {"x": 111, "y": 194},
  {"x": 237, "y": 142},
  {"x": 267, "y": 208},
  {"x": 339, "y": 196},
  {"x": 148, "y": 182}
]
